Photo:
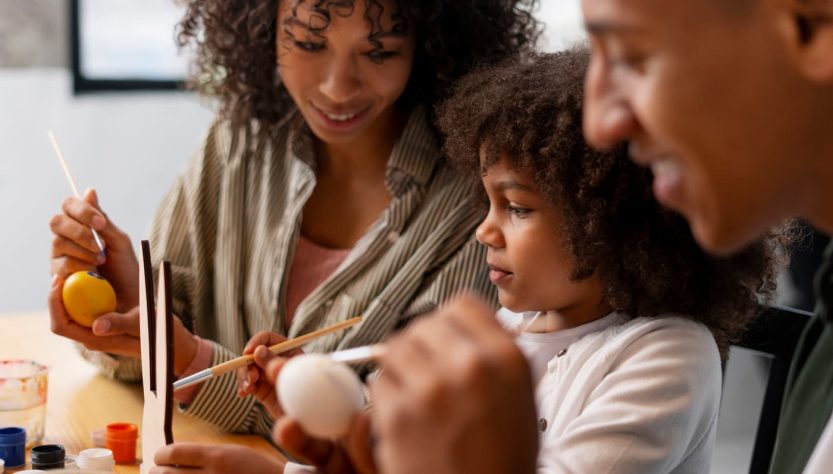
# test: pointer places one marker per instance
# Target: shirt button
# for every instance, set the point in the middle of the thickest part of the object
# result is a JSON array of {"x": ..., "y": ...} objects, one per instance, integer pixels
[
  {"x": 393, "y": 236},
  {"x": 561, "y": 353},
  {"x": 542, "y": 424}
]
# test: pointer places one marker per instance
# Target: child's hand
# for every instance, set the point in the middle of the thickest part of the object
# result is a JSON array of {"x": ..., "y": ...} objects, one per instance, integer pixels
[
  {"x": 349, "y": 455},
  {"x": 251, "y": 380}
]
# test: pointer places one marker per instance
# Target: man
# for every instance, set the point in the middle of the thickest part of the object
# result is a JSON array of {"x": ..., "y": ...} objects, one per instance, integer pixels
[{"x": 730, "y": 102}]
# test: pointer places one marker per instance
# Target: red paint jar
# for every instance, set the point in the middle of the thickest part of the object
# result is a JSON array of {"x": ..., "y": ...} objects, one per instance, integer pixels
[{"x": 121, "y": 439}]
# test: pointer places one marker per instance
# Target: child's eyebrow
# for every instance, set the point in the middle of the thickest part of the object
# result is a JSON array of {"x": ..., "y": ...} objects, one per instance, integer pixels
[{"x": 514, "y": 185}]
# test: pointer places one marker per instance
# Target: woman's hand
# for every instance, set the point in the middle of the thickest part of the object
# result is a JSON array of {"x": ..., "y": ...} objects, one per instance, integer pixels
[
  {"x": 349, "y": 455},
  {"x": 74, "y": 248},
  {"x": 189, "y": 458},
  {"x": 115, "y": 333},
  {"x": 251, "y": 380}
]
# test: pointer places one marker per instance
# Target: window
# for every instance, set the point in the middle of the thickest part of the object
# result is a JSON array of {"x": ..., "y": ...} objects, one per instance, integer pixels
[{"x": 125, "y": 45}]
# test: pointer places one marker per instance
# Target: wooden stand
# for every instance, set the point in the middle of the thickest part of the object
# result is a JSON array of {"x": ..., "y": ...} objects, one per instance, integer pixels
[{"x": 156, "y": 336}]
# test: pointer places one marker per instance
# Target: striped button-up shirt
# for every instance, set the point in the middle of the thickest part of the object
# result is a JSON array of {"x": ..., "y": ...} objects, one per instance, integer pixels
[{"x": 229, "y": 228}]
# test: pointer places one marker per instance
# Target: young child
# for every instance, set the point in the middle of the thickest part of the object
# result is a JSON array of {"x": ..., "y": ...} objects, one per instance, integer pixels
[{"x": 622, "y": 317}]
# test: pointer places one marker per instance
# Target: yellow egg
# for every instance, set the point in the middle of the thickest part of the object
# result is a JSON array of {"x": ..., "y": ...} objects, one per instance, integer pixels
[{"x": 87, "y": 296}]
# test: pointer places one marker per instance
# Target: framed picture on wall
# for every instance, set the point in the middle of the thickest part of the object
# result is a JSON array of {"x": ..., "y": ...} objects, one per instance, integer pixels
[{"x": 120, "y": 45}]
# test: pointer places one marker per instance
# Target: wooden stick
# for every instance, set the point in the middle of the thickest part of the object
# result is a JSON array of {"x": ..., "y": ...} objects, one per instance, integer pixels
[
  {"x": 71, "y": 182},
  {"x": 245, "y": 360}
]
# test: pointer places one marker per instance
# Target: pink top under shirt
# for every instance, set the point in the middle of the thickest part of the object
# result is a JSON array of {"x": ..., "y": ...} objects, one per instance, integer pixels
[{"x": 311, "y": 265}]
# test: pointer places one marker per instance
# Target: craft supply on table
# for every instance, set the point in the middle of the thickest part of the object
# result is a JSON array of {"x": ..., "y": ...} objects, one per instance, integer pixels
[
  {"x": 98, "y": 437},
  {"x": 121, "y": 440},
  {"x": 321, "y": 394},
  {"x": 71, "y": 180},
  {"x": 13, "y": 446},
  {"x": 96, "y": 459},
  {"x": 86, "y": 295},
  {"x": 276, "y": 349},
  {"x": 23, "y": 385},
  {"x": 71, "y": 462},
  {"x": 48, "y": 456}
]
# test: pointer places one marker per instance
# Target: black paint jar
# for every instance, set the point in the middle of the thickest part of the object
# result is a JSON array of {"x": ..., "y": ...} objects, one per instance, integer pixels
[{"x": 48, "y": 456}]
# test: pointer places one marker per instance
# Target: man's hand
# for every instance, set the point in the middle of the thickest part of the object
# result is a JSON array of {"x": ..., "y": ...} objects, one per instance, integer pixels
[
  {"x": 349, "y": 455},
  {"x": 455, "y": 396}
]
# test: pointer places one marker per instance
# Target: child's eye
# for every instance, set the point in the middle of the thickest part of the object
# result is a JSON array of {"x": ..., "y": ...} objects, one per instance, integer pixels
[
  {"x": 379, "y": 56},
  {"x": 309, "y": 46},
  {"x": 516, "y": 211}
]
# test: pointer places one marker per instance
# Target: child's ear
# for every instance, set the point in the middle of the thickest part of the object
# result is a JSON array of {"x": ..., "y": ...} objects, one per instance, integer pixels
[{"x": 812, "y": 38}]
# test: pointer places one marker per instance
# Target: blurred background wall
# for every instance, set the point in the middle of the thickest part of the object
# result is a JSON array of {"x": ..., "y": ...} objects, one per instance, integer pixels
[{"x": 130, "y": 146}]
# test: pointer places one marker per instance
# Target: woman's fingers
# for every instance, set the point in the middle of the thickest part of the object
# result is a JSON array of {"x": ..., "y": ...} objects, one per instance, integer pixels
[
  {"x": 66, "y": 226},
  {"x": 112, "y": 324},
  {"x": 84, "y": 212},
  {"x": 66, "y": 266},
  {"x": 63, "y": 247},
  {"x": 63, "y": 325}
]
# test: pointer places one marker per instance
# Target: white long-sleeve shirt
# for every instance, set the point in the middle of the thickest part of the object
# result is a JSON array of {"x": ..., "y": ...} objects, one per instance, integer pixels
[
  {"x": 621, "y": 395},
  {"x": 624, "y": 395},
  {"x": 821, "y": 460}
]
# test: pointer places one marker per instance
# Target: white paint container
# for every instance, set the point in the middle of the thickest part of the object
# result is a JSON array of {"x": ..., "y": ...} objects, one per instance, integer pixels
[
  {"x": 321, "y": 394},
  {"x": 96, "y": 459}
]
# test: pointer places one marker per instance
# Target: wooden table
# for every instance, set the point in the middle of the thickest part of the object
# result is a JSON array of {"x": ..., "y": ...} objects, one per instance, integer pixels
[{"x": 80, "y": 400}]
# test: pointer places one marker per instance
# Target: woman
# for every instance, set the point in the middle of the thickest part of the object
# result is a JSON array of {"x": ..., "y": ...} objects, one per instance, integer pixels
[{"x": 320, "y": 192}]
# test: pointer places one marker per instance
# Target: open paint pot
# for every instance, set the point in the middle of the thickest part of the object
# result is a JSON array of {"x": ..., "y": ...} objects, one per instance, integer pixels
[
  {"x": 48, "y": 456},
  {"x": 23, "y": 385},
  {"x": 120, "y": 438}
]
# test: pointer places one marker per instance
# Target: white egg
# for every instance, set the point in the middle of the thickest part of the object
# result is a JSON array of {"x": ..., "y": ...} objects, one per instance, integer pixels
[{"x": 321, "y": 394}]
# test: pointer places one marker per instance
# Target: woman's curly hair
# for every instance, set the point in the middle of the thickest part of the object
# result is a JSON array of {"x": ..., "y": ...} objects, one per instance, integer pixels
[
  {"x": 235, "y": 43},
  {"x": 529, "y": 113}
]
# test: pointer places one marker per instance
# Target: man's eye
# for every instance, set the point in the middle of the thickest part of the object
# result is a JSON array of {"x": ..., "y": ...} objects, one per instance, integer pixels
[
  {"x": 631, "y": 62},
  {"x": 309, "y": 46},
  {"x": 380, "y": 55}
]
